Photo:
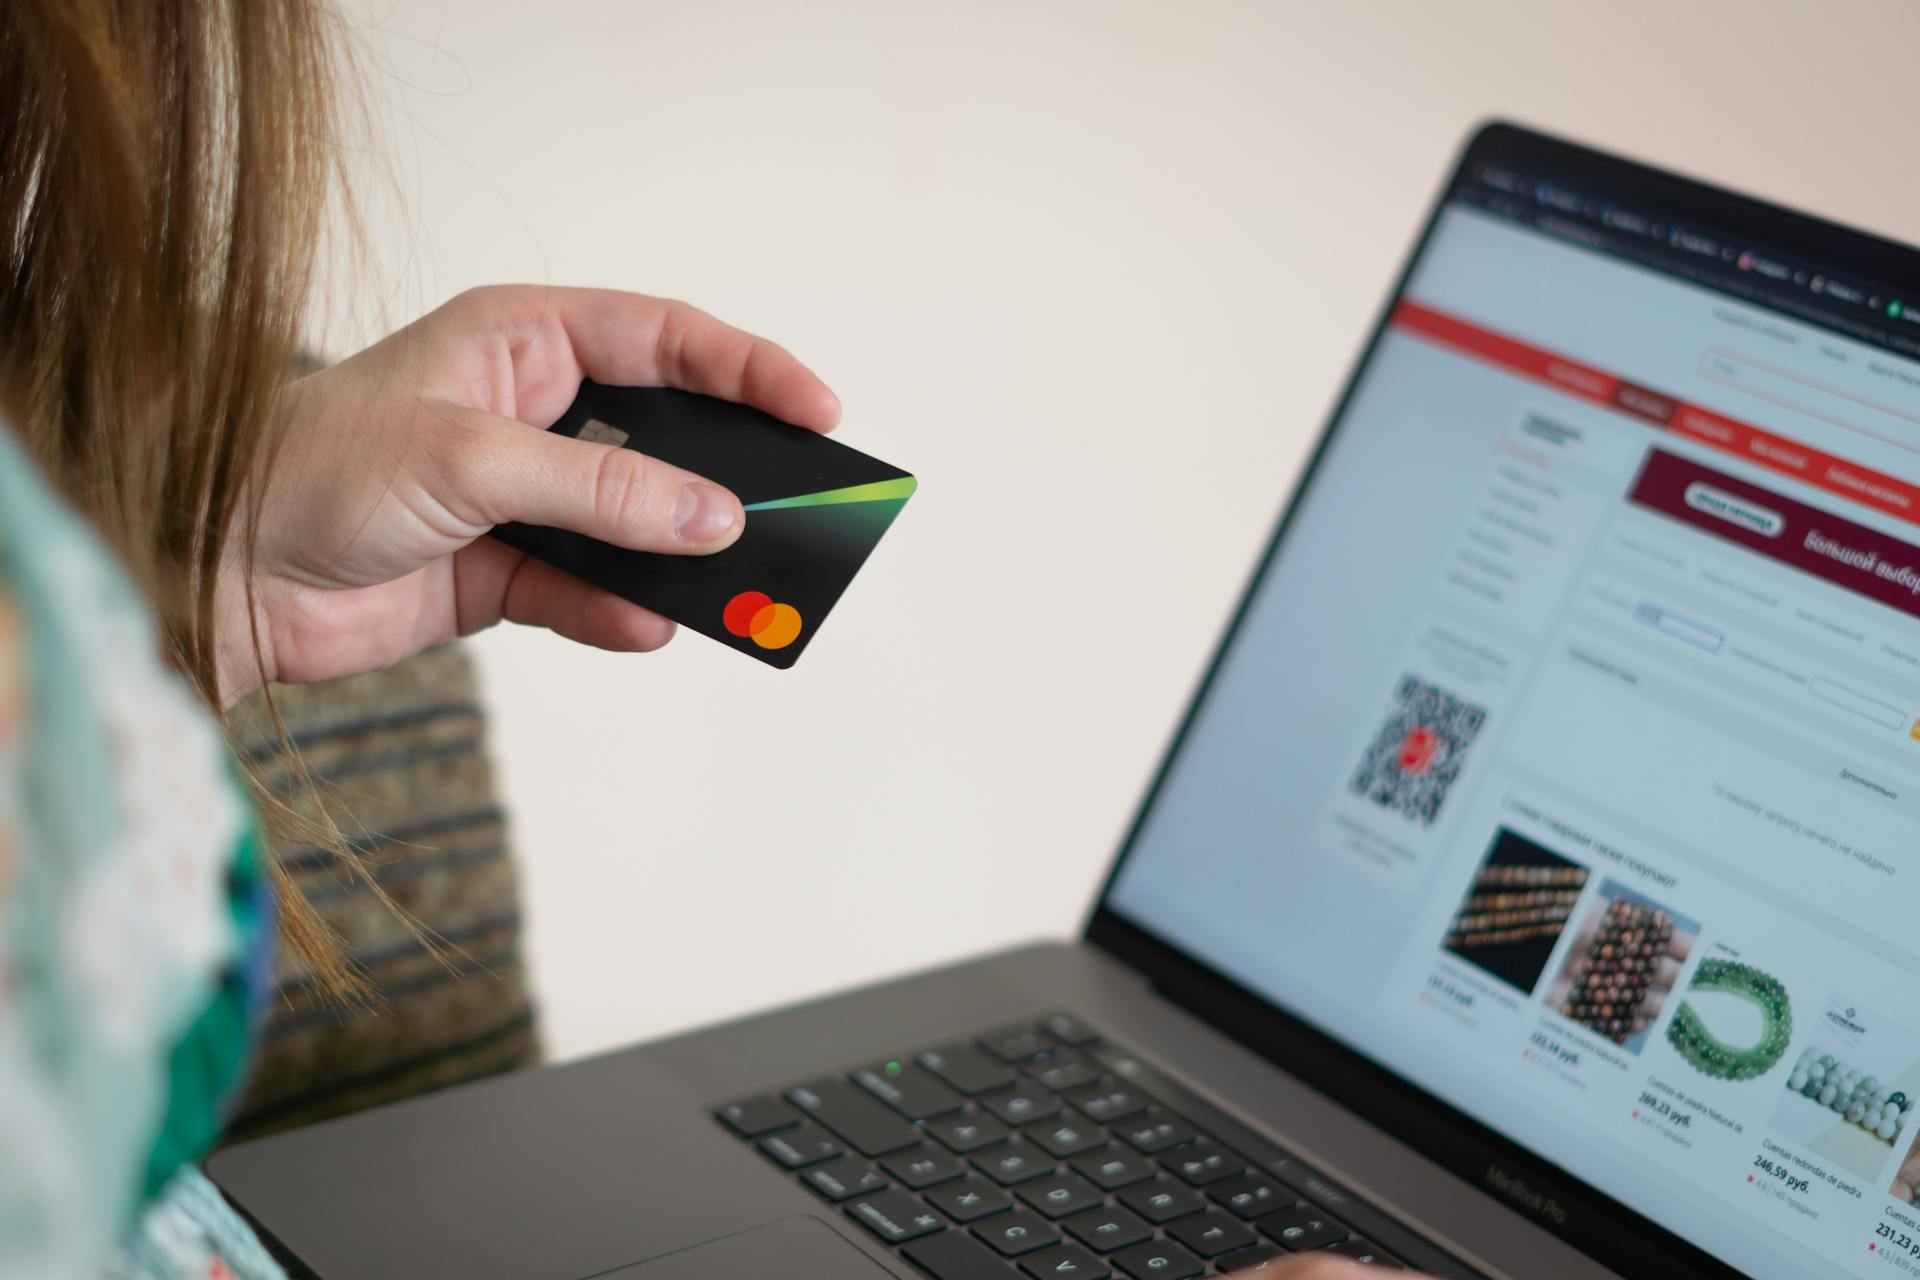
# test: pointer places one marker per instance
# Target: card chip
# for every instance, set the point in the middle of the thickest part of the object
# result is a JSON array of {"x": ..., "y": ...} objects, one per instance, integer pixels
[{"x": 598, "y": 432}]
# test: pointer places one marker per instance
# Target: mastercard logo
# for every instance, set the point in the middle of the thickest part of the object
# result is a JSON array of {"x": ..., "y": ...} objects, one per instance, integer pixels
[{"x": 754, "y": 615}]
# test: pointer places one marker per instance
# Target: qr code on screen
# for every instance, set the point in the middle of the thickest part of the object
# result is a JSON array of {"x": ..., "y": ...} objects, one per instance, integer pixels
[{"x": 1415, "y": 758}]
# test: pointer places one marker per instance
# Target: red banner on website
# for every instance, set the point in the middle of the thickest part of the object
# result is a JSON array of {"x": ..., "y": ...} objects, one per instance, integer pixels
[
  {"x": 1777, "y": 453},
  {"x": 1849, "y": 555}
]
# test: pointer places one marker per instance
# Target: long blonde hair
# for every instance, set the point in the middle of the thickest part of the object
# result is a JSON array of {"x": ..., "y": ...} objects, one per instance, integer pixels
[{"x": 165, "y": 174}]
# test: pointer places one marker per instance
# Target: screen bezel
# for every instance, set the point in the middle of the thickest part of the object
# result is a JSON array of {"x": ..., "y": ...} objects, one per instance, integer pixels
[{"x": 1592, "y": 1221}]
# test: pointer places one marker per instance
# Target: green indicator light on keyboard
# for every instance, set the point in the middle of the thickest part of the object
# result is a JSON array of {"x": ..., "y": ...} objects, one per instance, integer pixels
[{"x": 894, "y": 1068}]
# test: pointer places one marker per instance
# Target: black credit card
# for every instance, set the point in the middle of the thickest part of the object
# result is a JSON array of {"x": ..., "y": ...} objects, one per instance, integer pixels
[{"x": 815, "y": 510}]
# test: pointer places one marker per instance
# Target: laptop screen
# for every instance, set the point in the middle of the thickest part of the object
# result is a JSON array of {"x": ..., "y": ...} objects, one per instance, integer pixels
[{"x": 1566, "y": 758}]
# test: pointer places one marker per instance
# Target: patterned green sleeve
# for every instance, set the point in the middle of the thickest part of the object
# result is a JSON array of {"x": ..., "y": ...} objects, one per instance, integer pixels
[{"x": 130, "y": 920}]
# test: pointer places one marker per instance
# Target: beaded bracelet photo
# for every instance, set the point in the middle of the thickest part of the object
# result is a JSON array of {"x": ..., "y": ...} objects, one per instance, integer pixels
[
  {"x": 1851, "y": 1093},
  {"x": 1712, "y": 1056},
  {"x": 1905, "y": 1186},
  {"x": 1610, "y": 980},
  {"x": 1512, "y": 915}
]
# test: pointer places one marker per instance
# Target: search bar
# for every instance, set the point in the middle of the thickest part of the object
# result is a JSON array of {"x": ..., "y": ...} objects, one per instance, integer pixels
[
  {"x": 1831, "y": 405},
  {"x": 1666, "y": 621},
  {"x": 1860, "y": 704}
]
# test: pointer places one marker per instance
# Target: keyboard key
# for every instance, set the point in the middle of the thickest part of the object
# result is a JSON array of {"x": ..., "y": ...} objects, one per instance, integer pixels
[
  {"x": 1065, "y": 1075},
  {"x": 1358, "y": 1250},
  {"x": 1213, "y": 1233},
  {"x": 1017, "y": 1044},
  {"x": 1068, "y": 1029},
  {"x": 867, "y": 1125},
  {"x": 1064, "y": 1069},
  {"x": 1065, "y": 1137},
  {"x": 1108, "y": 1102},
  {"x": 923, "y": 1166},
  {"x": 1290, "y": 1174},
  {"x": 908, "y": 1089},
  {"x": 1154, "y": 1132},
  {"x": 1024, "y": 1102},
  {"x": 843, "y": 1179},
  {"x": 1253, "y": 1195},
  {"x": 1060, "y": 1194},
  {"x": 969, "y": 1199},
  {"x": 968, "y": 1132},
  {"x": 800, "y": 1146},
  {"x": 756, "y": 1116},
  {"x": 1158, "y": 1260},
  {"x": 967, "y": 1069},
  {"x": 1162, "y": 1200},
  {"x": 1018, "y": 1232},
  {"x": 1200, "y": 1163},
  {"x": 895, "y": 1216},
  {"x": 1064, "y": 1262},
  {"x": 1012, "y": 1162},
  {"x": 1256, "y": 1261},
  {"x": 1303, "y": 1228},
  {"x": 1114, "y": 1167},
  {"x": 951, "y": 1255},
  {"x": 1108, "y": 1229}
]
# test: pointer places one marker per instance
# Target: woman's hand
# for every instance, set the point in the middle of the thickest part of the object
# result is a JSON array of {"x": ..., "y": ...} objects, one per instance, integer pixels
[{"x": 397, "y": 461}]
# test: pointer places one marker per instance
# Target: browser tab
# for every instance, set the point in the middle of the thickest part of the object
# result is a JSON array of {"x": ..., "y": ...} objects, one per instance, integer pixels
[
  {"x": 1693, "y": 242},
  {"x": 1720, "y": 258}
]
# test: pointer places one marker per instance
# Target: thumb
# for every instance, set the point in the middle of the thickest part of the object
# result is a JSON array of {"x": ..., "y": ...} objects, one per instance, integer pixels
[{"x": 490, "y": 470}]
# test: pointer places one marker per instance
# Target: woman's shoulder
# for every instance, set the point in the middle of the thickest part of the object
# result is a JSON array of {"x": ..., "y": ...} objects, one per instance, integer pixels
[
  {"x": 113, "y": 757},
  {"x": 13, "y": 719},
  {"x": 121, "y": 833}
]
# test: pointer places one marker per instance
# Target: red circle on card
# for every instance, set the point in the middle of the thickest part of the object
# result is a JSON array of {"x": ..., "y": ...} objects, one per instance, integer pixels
[{"x": 739, "y": 613}]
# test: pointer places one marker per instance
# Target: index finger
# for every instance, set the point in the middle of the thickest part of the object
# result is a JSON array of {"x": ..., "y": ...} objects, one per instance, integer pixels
[{"x": 558, "y": 335}]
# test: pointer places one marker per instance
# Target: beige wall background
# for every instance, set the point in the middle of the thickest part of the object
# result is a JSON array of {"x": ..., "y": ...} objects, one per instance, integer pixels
[{"x": 1095, "y": 271}]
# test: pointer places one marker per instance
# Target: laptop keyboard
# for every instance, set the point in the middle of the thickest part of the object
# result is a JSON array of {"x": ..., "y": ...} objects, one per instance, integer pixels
[{"x": 1022, "y": 1154}]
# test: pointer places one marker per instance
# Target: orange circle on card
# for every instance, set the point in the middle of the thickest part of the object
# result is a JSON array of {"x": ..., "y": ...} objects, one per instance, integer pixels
[
  {"x": 740, "y": 612},
  {"x": 756, "y": 616},
  {"x": 776, "y": 626}
]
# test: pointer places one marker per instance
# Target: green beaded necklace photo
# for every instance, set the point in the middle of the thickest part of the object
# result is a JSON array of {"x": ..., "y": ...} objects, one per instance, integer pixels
[{"x": 1710, "y": 1055}]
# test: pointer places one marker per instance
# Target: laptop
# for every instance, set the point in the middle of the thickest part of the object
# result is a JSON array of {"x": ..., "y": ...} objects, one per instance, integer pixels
[{"x": 1529, "y": 890}]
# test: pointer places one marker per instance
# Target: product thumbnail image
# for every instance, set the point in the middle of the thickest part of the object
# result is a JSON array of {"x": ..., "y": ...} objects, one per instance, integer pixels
[
  {"x": 1906, "y": 1179},
  {"x": 1622, "y": 965},
  {"x": 1520, "y": 902},
  {"x": 1723, "y": 1055},
  {"x": 1849, "y": 1094}
]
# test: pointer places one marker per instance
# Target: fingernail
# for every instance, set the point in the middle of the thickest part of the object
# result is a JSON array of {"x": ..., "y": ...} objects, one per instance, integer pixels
[{"x": 705, "y": 513}]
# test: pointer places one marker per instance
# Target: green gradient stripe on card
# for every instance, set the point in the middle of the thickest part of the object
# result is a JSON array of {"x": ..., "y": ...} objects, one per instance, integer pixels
[{"x": 879, "y": 490}]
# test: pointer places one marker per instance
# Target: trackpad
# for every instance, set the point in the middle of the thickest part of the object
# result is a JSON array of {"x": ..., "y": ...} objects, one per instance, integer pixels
[{"x": 792, "y": 1249}]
